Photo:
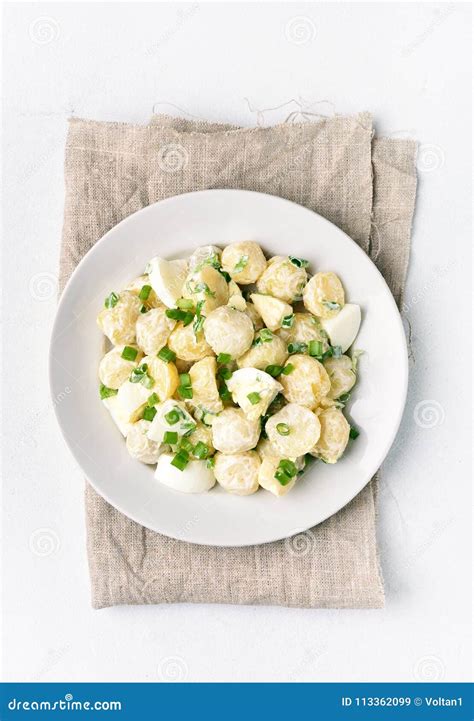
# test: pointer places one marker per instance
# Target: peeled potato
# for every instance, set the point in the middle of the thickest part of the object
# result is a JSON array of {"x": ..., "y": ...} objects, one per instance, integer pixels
[
  {"x": 307, "y": 383},
  {"x": 115, "y": 370},
  {"x": 187, "y": 345},
  {"x": 271, "y": 352},
  {"x": 118, "y": 323},
  {"x": 153, "y": 330},
  {"x": 340, "y": 374},
  {"x": 136, "y": 286},
  {"x": 282, "y": 279},
  {"x": 228, "y": 331},
  {"x": 165, "y": 376},
  {"x": 254, "y": 316},
  {"x": 324, "y": 295},
  {"x": 244, "y": 261},
  {"x": 272, "y": 310},
  {"x": 238, "y": 473},
  {"x": 305, "y": 328},
  {"x": 293, "y": 431},
  {"x": 140, "y": 446},
  {"x": 207, "y": 286},
  {"x": 204, "y": 385},
  {"x": 267, "y": 480},
  {"x": 334, "y": 436},
  {"x": 232, "y": 432}
]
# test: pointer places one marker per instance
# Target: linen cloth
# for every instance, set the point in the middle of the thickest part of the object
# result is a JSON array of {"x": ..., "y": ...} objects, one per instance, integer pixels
[{"x": 335, "y": 167}]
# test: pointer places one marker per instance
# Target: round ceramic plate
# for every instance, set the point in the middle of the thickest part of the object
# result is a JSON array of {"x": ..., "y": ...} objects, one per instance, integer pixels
[{"x": 174, "y": 228}]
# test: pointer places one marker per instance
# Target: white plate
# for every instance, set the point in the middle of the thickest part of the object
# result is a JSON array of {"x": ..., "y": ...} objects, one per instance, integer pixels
[{"x": 173, "y": 228}]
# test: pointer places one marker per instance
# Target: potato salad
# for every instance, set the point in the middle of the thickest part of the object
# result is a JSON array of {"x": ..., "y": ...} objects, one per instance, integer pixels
[{"x": 229, "y": 367}]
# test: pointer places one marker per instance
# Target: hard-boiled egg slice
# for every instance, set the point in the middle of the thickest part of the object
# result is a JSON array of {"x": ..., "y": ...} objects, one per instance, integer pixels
[
  {"x": 195, "y": 478},
  {"x": 170, "y": 416},
  {"x": 272, "y": 310},
  {"x": 131, "y": 399},
  {"x": 343, "y": 328},
  {"x": 113, "y": 406},
  {"x": 253, "y": 390},
  {"x": 167, "y": 278}
]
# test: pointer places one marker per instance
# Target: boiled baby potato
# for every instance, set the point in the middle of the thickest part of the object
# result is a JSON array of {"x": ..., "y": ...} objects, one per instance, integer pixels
[
  {"x": 165, "y": 377},
  {"x": 117, "y": 320},
  {"x": 341, "y": 375},
  {"x": 244, "y": 261},
  {"x": 272, "y": 351},
  {"x": 238, "y": 472},
  {"x": 205, "y": 255},
  {"x": 267, "y": 480},
  {"x": 208, "y": 287},
  {"x": 153, "y": 330},
  {"x": 293, "y": 431},
  {"x": 228, "y": 331},
  {"x": 140, "y": 446},
  {"x": 114, "y": 369},
  {"x": 307, "y": 383},
  {"x": 305, "y": 328},
  {"x": 233, "y": 432},
  {"x": 334, "y": 436},
  {"x": 324, "y": 295},
  {"x": 282, "y": 279},
  {"x": 188, "y": 345},
  {"x": 254, "y": 316},
  {"x": 272, "y": 310},
  {"x": 204, "y": 385},
  {"x": 253, "y": 390},
  {"x": 141, "y": 285}
]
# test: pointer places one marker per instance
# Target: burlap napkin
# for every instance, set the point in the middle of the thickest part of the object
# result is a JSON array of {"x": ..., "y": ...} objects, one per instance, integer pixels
[{"x": 335, "y": 167}]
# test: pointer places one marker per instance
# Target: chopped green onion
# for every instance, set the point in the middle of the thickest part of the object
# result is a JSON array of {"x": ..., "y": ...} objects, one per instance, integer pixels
[
  {"x": 344, "y": 398},
  {"x": 282, "y": 477},
  {"x": 189, "y": 427},
  {"x": 224, "y": 274},
  {"x": 203, "y": 288},
  {"x": 201, "y": 451},
  {"x": 354, "y": 433},
  {"x": 274, "y": 370},
  {"x": 283, "y": 429},
  {"x": 111, "y": 300},
  {"x": 224, "y": 373},
  {"x": 299, "y": 262},
  {"x": 129, "y": 353},
  {"x": 186, "y": 445},
  {"x": 105, "y": 392},
  {"x": 297, "y": 348},
  {"x": 254, "y": 398},
  {"x": 211, "y": 462},
  {"x": 144, "y": 309},
  {"x": 238, "y": 268},
  {"x": 140, "y": 375},
  {"x": 170, "y": 437},
  {"x": 315, "y": 348},
  {"x": 175, "y": 313},
  {"x": 185, "y": 391},
  {"x": 327, "y": 354},
  {"x": 184, "y": 379},
  {"x": 188, "y": 318},
  {"x": 224, "y": 358},
  {"x": 153, "y": 400},
  {"x": 331, "y": 305},
  {"x": 288, "y": 321},
  {"x": 225, "y": 393},
  {"x": 166, "y": 355},
  {"x": 180, "y": 460},
  {"x": 172, "y": 417},
  {"x": 288, "y": 466},
  {"x": 149, "y": 413},
  {"x": 185, "y": 303},
  {"x": 337, "y": 351},
  {"x": 289, "y": 368},
  {"x": 199, "y": 319},
  {"x": 145, "y": 292},
  {"x": 266, "y": 335}
]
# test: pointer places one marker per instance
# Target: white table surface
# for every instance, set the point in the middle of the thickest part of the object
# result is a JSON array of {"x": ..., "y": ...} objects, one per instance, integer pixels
[{"x": 408, "y": 64}]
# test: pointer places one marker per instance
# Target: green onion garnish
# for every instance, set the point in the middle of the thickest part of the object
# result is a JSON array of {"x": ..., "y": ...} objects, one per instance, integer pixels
[
  {"x": 224, "y": 358},
  {"x": 129, "y": 353},
  {"x": 288, "y": 321},
  {"x": 199, "y": 319},
  {"x": 225, "y": 393},
  {"x": 180, "y": 460},
  {"x": 175, "y": 313},
  {"x": 153, "y": 400},
  {"x": 224, "y": 274},
  {"x": 143, "y": 309},
  {"x": 299, "y": 262},
  {"x": 145, "y": 292},
  {"x": 344, "y": 398},
  {"x": 111, "y": 300},
  {"x": 172, "y": 417},
  {"x": 186, "y": 445},
  {"x": 289, "y": 368},
  {"x": 211, "y": 462},
  {"x": 283, "y": 429},
  {"x": 189, "y": 427},
  {"x": 149, "y": 413},
  {"x": 184, "y": 379},
  {"x": 185, "y": 303},
  {"x": 331, "y": 305},
  {"x": 140, "y": 375},
  {"x": 224, "y": 373},
  {"x": 203, "y": 288},
  {"x": 254, "y": 398},
  {"x": 297, "y": 348},
  {"x": 185, "y": 392},
  {"x": 201, "y": 451},
  {"x": 266, "y": 335},
  {"x": 238, "y": 268},
  {"x": 274, "y": 370},
  {"x": 166, "y": 355},
  {"x": 282, "y": 477},
  {"x": 354, "y": 433},
  {"x": 188, "y": 318},
  {"x": 105, "y": 392},
  {"x": 315, "y": 348},
  {"x": 288, "y": 466},
  {"x": 170, "y": 437}
]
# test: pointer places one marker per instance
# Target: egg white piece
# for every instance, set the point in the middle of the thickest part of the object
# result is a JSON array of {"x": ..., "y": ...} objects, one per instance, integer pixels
[
  {"x": 195, "y": 478},
  {"x": 113, "y": 406},
  {"x": 131, "y": 398},
  {"x": 246, "y": 381},
  {"x": 167, "y": 278},
  {"x": 342, "y": 329}
]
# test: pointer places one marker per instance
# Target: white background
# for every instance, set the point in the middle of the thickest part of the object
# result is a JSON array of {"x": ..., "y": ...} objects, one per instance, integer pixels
[{"x": 407, "y": 63}]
